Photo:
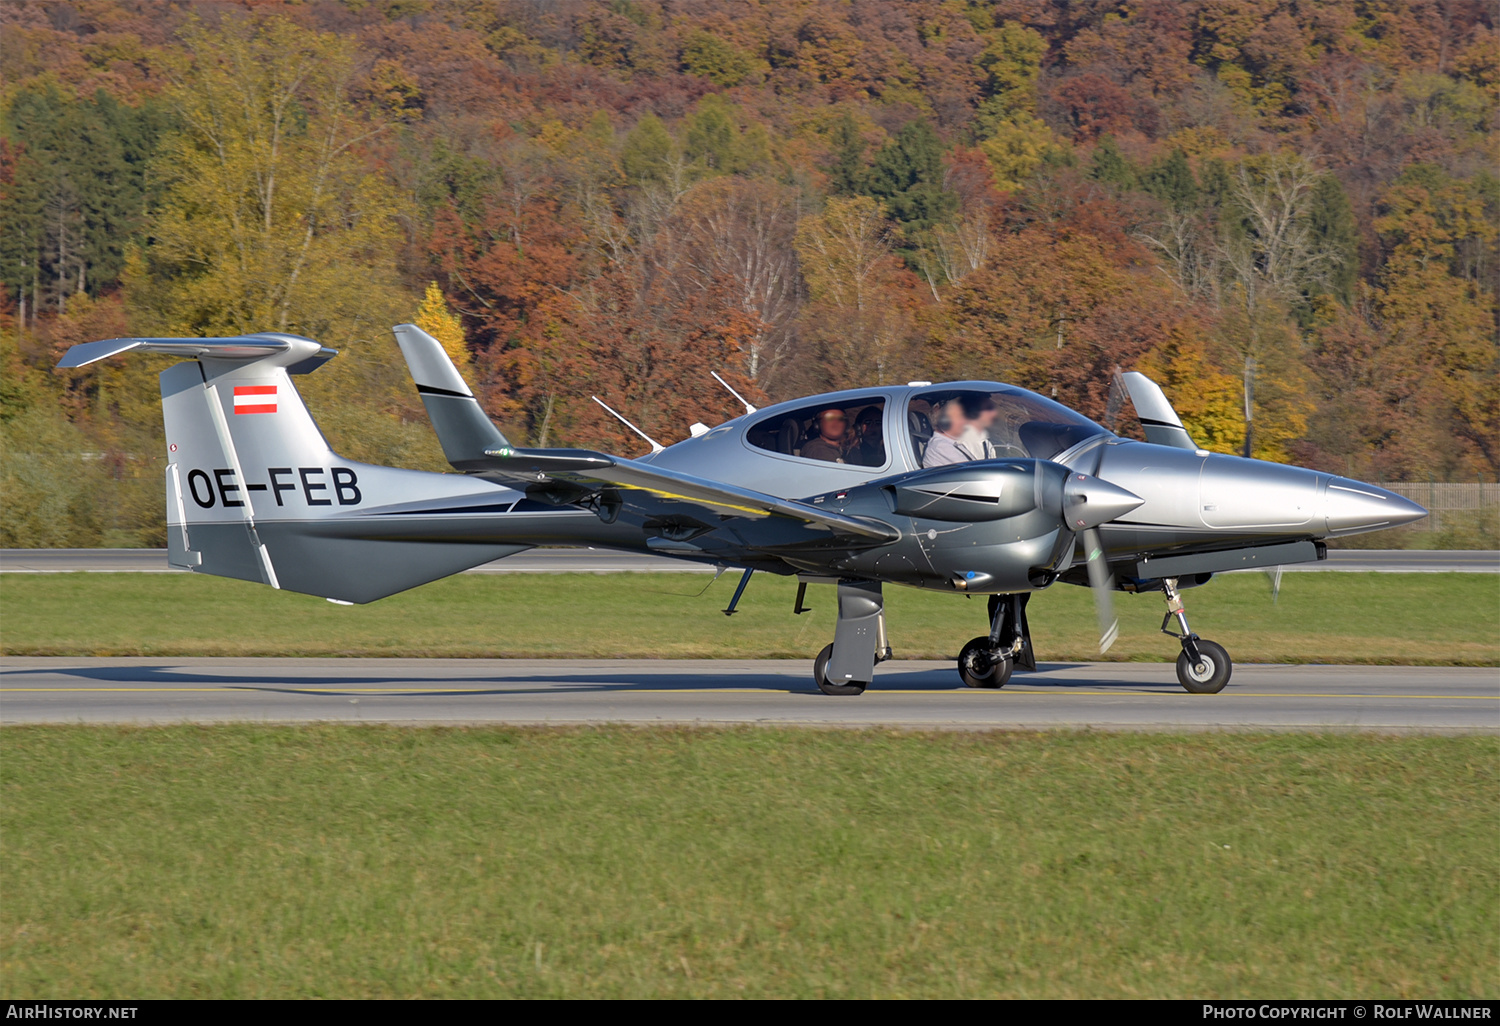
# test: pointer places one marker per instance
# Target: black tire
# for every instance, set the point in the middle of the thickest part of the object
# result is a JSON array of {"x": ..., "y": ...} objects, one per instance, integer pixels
[
  {"x": 979, "y": 666},
  {"x": 820, "y": 674},
  {"x": 1214, "y": 674}
]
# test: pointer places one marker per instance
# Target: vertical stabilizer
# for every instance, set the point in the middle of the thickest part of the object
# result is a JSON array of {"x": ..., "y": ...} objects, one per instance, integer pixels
[
  {"x": 1158, "y": 419},
  {"x": 255, "y": 492},
  {"x": 461, "y": 425}
]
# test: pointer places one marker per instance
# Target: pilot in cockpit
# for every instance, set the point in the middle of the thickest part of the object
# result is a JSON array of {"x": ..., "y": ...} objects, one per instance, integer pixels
[
  {"x": 980, "y": 411},
  {"x": 946, "y": 446}
]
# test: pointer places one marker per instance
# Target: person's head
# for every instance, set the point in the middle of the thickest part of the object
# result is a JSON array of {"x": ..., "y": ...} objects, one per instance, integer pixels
[
  {"x": 832, "y": 423},
  {"x": 949, "y": 418},
  {"x": 867, "y": 424},
  {"x": 980, "y": 410}
]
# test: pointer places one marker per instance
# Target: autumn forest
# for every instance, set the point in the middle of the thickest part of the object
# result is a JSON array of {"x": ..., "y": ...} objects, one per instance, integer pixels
[{"x": 1287, "y": 212}]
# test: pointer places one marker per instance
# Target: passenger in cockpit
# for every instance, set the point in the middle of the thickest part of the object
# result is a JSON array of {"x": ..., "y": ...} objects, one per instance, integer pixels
[
  {"x": 948, "y": 423},
  {"x": 869, "y": 447},
  {"x": 980, "y": 411},
  {"x": 831, "y": 444}
]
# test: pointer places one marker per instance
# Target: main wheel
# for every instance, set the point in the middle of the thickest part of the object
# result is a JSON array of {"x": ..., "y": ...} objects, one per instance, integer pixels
[
  {"x": 1210, "y": 674},
  {"x": 980, "y": 666},
  {"x": 820, "y": 674}
]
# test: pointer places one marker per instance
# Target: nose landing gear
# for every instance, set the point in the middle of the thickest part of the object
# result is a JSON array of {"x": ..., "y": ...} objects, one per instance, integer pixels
[
  {"x": 987, "y": 661},
  {"x": 1204, "y": 667}
]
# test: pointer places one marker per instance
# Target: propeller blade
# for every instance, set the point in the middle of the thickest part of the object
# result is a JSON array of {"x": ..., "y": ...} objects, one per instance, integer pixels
[{"x": 1102, "y": 583}]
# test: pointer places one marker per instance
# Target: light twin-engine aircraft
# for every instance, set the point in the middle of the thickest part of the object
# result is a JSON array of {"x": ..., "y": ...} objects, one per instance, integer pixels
[{"x": 969, "y": 487}]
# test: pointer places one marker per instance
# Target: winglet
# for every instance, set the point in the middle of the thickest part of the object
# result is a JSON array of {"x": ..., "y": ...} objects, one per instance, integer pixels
[
  {"x": 1160, "y": 421},
  {"x": 462, "y": 427}
]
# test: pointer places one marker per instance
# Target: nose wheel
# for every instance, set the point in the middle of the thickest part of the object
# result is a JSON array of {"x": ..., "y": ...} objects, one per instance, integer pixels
[
  {"x": 982, "y": 665},
  {"x": 1204, "y": 667}
]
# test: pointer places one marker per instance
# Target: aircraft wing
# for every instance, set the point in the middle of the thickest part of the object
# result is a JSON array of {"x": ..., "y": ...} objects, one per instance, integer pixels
[{"x": 657, "y": 491}]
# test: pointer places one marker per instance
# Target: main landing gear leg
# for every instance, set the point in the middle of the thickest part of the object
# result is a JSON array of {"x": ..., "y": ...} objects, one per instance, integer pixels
[
  {"x": 1204, "y": 666},
  {"x": 847, "y": 666},
  {"x": 987, "y": 662}
]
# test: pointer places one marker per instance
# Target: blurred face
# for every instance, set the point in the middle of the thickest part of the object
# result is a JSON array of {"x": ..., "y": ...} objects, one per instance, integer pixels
[
  {"x": 832, "y": 424},
  {"x": 986, "y": 418},
  {"x": 956, "y": 419},
  {"x": 869, "y": 429}
]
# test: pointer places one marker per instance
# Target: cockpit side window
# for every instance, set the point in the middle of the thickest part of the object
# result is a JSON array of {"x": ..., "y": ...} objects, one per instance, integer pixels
[
  {"x": 852, "y": 432},
  {"x": 957, "y": 425}
]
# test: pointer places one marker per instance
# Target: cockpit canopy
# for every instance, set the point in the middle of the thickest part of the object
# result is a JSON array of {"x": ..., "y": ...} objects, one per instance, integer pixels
[
  {"x": 975, "y": 423},
  {"x": 936, "y": 425}
]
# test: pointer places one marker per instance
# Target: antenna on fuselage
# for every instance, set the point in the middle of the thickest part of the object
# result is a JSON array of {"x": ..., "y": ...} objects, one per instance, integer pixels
[
  {"x": 748, "y": 407},
  {"x": 655, "y": 445}
]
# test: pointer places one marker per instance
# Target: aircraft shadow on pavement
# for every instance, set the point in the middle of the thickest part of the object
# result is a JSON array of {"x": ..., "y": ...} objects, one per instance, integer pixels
[{"x": 934, "y": 680}]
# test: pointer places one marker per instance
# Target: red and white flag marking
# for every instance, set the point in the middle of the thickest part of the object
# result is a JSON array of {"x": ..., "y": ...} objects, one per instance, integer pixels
[{"x": 254, "y": 398}]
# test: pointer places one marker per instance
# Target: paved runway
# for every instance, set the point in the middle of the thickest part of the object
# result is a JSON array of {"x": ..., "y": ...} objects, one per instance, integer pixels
[
  {"x": 43, "y": 561},
  {"x": 909, "y": 694}
]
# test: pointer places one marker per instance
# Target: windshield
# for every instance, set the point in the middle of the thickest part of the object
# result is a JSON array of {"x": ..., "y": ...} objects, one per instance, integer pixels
[{"x": 953, "y": 425}]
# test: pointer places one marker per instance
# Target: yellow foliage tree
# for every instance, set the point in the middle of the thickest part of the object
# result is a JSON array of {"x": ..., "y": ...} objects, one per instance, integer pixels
[
  {"x": 1208, "y": 400},
  {"x": 853, "y": 318},
  {"x": 434, "y": 317},
  {"x": 1017, "y": 148},
  {"x": 271, "y": 219},
  {"x": 274, "y": 219},
  {"x": 845, "y": 252}
]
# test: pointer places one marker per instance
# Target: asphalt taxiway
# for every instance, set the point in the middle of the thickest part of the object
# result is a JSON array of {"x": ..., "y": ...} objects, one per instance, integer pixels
[
  {"x": 906, "y": 694},
  {"x": 139, "y": 561}
]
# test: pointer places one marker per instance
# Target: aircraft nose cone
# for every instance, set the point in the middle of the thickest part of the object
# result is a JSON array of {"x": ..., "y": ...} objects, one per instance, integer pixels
[
  {"x": 1089, "y": 502},
  {"x": 1353, "y": 507}
]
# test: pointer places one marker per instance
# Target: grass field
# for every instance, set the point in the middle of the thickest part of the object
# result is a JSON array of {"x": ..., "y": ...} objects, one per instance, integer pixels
[
  {"x": 1325, "y": 617},
  {"x": 244, "y": 861}
]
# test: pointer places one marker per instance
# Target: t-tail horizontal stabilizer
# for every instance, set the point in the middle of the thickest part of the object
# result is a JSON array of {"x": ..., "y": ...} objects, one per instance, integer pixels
[
  {"x": 461, "y": 425},
  {"x": 297, "y": 354}
]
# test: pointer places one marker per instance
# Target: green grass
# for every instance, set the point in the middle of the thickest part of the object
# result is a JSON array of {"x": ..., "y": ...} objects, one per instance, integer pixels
[
  {"x": 1321, "y": 617},
  {"x": 243, "y": 861}
]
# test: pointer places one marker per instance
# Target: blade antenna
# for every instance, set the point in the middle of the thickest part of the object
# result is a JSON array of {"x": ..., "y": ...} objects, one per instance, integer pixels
[
  {"x": 743, "y": 402},
  {"x": 656, "y": 446}
]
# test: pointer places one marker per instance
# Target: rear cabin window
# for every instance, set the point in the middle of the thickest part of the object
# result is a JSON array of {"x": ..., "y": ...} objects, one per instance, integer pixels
[{"x": 851, "y": 432}]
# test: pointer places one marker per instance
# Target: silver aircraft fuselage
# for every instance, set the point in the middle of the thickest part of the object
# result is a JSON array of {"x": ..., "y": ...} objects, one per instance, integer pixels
[{"x": 1195, "y": 501}]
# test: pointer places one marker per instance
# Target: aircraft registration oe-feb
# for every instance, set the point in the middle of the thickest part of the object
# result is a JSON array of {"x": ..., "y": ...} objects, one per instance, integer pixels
[{"x": 967, "y": 487}]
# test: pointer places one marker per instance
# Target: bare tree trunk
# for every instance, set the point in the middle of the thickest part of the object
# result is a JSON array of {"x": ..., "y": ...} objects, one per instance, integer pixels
[
  {"x": 1249, "y": 406},
  {"x": 541, "y": 440}
]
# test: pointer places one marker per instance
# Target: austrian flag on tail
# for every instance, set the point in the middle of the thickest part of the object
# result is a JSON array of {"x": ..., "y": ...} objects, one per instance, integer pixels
[{"x": 254, "y": 398}]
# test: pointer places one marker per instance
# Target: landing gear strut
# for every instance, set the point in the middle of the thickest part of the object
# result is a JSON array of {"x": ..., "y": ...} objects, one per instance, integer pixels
[
  {"x": 847, "y": 666},
  {"x": 987, "y": 661},
  {"x": 1204, "y": 667}
]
